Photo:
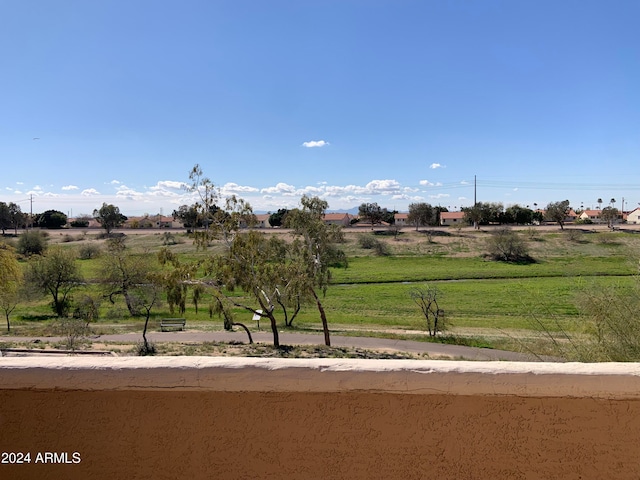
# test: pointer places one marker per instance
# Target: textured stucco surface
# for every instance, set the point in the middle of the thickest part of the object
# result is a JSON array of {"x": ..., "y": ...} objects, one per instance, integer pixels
[{"x": 255, "y": 418}]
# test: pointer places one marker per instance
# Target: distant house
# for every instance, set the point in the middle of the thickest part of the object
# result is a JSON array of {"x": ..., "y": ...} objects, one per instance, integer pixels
[
  {"x": 593, "y": 215},
  {"x": 152, "y": 221},
  {"x": 451, "y": 218},
  {"x": 263, "y": 220},
  {"x": 634, "y": 217},
  {"x": 401, "y": 219},
  {"x": 343, "y": 219}
]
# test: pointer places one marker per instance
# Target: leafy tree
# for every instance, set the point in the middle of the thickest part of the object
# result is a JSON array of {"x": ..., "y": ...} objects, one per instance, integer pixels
[
  {"x": 314, "y": 251},
  {"x": 427, "y": 299},
  {"x": 5, "y": 217},
  {"x": 610, "y": 215},
  {"x": 256, "y": 264},
  {"x": 421, "y": 214},
  {"x": 52, "y": 219},
  {"x": 10, "y": 281},
  {"x": 177, "y": 279},
  {"x": 188, "y": 216},
  {"x": 109, "y": 217},
  {"x": 17, "y": 218},
  {"x": 371, "y": 213},
  {"x": 557, "y": 212},
  {"x": 56, "y": 274},
  {"x": 437, "y": 211},
  {"x": 121, "y": 271},
  {"x": 277, "y": 219},
  {"x": 518, "y": 215},
  {"x": 484, "y": 213}
]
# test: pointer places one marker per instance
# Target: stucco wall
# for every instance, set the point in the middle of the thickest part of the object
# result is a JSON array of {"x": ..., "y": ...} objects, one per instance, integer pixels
[{"x": 195, "y": 417}]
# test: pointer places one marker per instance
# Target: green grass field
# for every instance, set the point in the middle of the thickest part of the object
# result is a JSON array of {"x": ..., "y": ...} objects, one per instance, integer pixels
[{"x": 372, "y": 297}]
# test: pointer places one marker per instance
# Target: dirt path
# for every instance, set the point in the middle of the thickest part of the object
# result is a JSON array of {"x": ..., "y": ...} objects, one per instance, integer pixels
[{"x": 433, "y": 350}]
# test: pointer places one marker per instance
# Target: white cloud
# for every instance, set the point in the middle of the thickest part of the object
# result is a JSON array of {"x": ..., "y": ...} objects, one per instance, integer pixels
[
  {"x": 69, "y": 187},
  {"x": 440, "y": 195},
  {"x": 232, "y": 188},
  {"x": 89, "y": 192},
  {"x": 114, "y": 182},
  {"x": 464, "y": 182},
  {"x": 315, "y": 143},
  {"x": 281, "y": 189},
  {"x": 383, "y": 187},
  {"x": 427, "y": 183},
  {"x": 170, "y": 184},
  {"x": 436, "y": 165}
]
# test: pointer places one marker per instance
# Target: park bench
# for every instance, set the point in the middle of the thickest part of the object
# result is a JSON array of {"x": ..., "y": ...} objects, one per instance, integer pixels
[{"x": 172, "y": 324}]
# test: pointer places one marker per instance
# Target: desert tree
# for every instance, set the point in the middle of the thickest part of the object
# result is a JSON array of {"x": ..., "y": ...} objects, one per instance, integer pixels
[
  {"x": 420, "y": 214},
  {"x": 506, "y": 245},
  {"x": 426, "y": 298},
  {"x": 254, "y": 263},
  {"x": 609, "y": 214},
  {"x": 187, "y": 215},
  {"x": 371, "y": 213},
  {"x": 56, "y": 274},
  {"x": 145, "y": 297},
  {"x": 10, "y": 281},
  {"x": 176, "y": 278},
  {"x": 109, "y": 217},
  {"x": 121, "y": 270},
  {"x": 558, "y": 212},
  {"x": 52, "y": 219},
  {"x": 315, "y": 251}
]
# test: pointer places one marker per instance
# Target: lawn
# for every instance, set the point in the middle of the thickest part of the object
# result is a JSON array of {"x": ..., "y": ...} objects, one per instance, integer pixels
[{"x": 372, "y": 294}]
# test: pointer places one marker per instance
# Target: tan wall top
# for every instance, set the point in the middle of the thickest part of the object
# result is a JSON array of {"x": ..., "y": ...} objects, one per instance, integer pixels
[{"x": 237, "y": 374}]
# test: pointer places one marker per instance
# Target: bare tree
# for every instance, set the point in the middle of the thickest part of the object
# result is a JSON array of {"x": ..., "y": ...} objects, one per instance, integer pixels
[{"x": 427, "y": 299}]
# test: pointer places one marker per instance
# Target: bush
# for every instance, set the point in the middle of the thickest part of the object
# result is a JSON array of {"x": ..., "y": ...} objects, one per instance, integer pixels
[
  {"x": 89, "y": 251},
  {"x": 31, "y": 243},
  {"x": 79, "y": 223},
  {"x": 574, "y": 235},
  {"x": 507, "y": 246},
  {"x": 369, "y": 242}
]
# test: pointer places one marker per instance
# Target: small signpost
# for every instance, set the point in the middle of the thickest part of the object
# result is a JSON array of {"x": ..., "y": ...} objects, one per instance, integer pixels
[{"x": 256, "y": 317}]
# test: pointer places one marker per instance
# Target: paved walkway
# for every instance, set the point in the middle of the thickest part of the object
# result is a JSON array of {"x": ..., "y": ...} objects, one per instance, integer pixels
[{"x": 432, "y": 349}]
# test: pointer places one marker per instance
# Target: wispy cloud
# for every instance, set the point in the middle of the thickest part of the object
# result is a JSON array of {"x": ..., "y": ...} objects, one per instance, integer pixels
[
  {"x": 231, "y": 188},
  {"x": 280, "y": 189},
  {"x": 427, "y": 183},
  {"x": 69, "y": 187},
  {"x": 436, "y": 165},
  {"x": 315, "y": 144}
]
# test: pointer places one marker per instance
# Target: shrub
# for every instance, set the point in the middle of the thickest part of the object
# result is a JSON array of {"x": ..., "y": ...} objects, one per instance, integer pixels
[
  {"x": 507, "y": 246},
  {"x": 369, "y": 242},
  {"x": 573, "y": 235},
  {"x": 31, "y": 243},
  {"x": 89, "y": 251}
]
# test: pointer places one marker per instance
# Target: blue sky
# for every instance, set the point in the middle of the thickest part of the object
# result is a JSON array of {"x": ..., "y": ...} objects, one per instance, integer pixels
[{"x": 356, "y": 101}]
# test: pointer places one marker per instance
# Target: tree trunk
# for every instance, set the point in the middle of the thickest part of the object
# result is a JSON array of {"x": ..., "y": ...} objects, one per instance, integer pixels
[
  {"x": 323, "y": 317},
  {"x": 144, "y": 334},
  {"x": 245, "y": 329},
  {"x": 274, "y": 329}
]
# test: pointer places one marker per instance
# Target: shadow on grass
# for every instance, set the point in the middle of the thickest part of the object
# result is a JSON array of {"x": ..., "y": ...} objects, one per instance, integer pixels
[{"x": 33, "y": 317}]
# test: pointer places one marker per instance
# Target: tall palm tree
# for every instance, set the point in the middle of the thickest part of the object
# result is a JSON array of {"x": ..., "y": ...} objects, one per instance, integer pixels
[{"x": 599, "y": 203}]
